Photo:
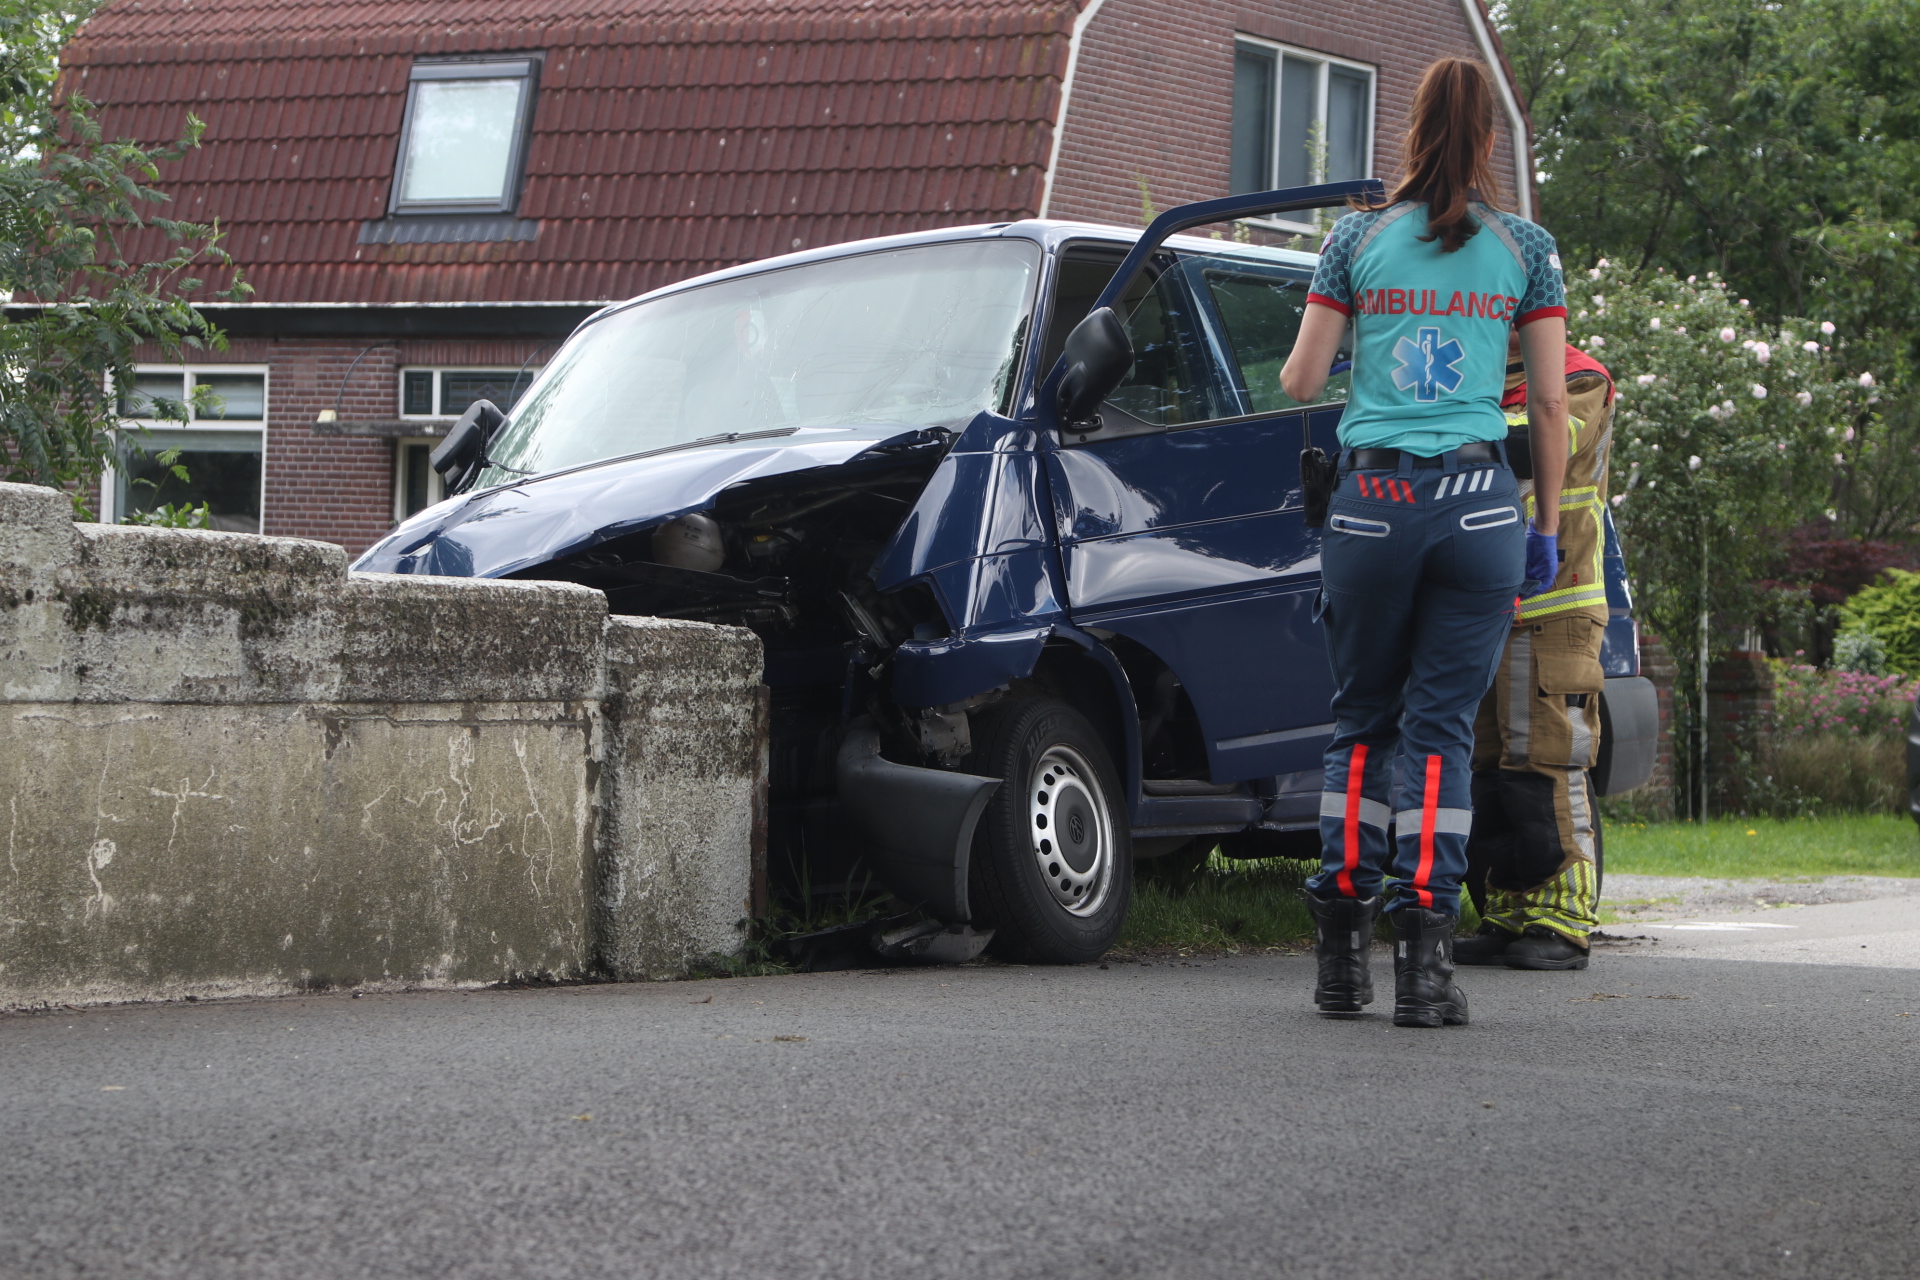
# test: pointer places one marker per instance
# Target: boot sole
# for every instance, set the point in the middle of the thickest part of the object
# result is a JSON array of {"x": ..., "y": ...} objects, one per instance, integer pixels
[
  {"x": 1522, "y": 962},
  {"x": 1429, "y": 1015},
  {"x": 1342, "y": 1006}
]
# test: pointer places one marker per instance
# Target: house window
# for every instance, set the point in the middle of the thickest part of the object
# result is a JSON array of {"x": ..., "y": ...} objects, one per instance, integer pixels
[
  {"x": 214, "y": 418},
  {"x": 448, "y": 393},
  {"x": 416, "y": 485},
  {"x": 443, "y": 393},
  {"x": 1298, "y": 119},
  {"x": 463, "y": 136}
]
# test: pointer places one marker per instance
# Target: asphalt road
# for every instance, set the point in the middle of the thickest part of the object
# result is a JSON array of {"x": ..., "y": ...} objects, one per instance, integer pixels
[{"x": 1696, "y": 1117}]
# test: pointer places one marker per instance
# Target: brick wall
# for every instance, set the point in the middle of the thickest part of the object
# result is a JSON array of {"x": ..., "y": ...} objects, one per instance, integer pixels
[
  {"x": 1739, "y": 728},
  {"x": 1657, "y": 665},
  {"x": 336, "y": 488},
  {"x": 1152, "y": 96}
]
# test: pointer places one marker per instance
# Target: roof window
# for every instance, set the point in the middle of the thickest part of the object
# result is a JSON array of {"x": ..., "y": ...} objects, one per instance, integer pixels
[{"x": 463, "y": 139}]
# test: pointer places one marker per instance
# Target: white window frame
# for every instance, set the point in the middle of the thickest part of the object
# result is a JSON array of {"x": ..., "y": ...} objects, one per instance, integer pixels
[
  {"x": 436, "y": 486},
  {"x": 526, "y": 69},
  {"x": 1324, "y": 60},
  {"x": 156, "y": 428},
  {"x": 530, "y": 372}
]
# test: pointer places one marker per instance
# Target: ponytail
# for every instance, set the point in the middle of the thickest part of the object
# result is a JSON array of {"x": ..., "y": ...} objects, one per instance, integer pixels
[{"x": 1445, "y": 157}]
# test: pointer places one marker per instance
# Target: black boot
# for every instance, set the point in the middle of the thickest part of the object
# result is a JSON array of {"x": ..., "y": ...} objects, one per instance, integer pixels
[
  {"x": 1424, "y": 994},
  {"x": 1343, "y": 928},
  {"x": 1542, "y": 948},
  {"x": 1489, "y": 946}
]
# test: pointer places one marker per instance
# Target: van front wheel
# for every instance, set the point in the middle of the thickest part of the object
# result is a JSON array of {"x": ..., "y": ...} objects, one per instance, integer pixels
[{"x": 1052, "y": 868}]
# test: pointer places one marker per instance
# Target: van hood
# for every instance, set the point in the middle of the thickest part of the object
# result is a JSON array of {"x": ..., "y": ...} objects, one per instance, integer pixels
[{"x": 498, "y": 531}]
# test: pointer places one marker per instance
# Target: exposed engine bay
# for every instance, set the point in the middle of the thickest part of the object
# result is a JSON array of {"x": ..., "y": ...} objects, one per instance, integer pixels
[{"x": 790, "y": 558}]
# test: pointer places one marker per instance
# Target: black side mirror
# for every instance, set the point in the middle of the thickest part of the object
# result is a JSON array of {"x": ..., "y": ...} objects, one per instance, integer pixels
[
  {"x": 1097, "y": 355},
  {"x": 463, "y": 454}
]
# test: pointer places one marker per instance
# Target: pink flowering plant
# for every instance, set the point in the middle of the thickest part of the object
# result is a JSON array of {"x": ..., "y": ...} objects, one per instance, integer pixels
[{"x": 1810, "y": 701}]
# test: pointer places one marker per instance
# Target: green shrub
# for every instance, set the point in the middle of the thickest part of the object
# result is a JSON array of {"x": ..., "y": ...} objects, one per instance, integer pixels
[{"x": 1889, "y": 611}]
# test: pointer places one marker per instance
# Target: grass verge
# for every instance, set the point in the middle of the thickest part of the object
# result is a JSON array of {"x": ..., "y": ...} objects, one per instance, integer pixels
[
  {"x": 1228, "y": 906},
  {"x": 1864, "y": 844}
]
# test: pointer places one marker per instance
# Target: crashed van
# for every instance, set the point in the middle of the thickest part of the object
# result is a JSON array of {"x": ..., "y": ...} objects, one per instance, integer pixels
[{"x": 1016, "y": 511}]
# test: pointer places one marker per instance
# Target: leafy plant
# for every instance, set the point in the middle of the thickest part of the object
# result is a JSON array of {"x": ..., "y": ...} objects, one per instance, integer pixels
[
  {"x": 1889, "y": 611},
  {"x": 80, "y": 236},
  {"x": 1726, "y": 429}
]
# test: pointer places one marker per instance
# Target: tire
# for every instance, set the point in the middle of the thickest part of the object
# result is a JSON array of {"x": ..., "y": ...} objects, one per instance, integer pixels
[{"x": 1043, "y": 907}]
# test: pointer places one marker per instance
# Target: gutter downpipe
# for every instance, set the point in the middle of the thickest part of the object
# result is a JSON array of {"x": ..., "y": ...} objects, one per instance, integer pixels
[
  {"x": 1522, "y": 133},
  {"x": 1080, "y": 25}
]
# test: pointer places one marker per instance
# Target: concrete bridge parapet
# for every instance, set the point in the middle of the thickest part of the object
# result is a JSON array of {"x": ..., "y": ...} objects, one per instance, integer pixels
[{"x": 227, "y": 766}]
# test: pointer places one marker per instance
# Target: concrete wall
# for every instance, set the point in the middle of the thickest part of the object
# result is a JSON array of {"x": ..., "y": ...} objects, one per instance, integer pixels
[{"x": 226, "y": 767}]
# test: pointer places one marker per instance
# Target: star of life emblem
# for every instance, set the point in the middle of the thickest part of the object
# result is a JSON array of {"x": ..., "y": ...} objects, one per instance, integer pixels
[{"x": 1429, "y": 364}]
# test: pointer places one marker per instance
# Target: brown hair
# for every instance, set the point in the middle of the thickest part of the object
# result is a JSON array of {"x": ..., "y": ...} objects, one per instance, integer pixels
[{"x": 1445, "y": 152}]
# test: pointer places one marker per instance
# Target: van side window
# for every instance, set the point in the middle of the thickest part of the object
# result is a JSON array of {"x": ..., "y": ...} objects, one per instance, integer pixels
[
  {"x": 1261, "y": 312},
  {"x": 1173, "y": 382}
]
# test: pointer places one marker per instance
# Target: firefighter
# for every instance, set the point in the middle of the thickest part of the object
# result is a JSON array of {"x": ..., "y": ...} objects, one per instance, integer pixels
[
  {"x": 1425, "y": 544},
  {"x": 1532, "y": 863}
]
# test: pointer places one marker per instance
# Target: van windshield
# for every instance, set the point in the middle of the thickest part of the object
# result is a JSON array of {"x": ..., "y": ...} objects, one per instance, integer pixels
[{"x": 915, "y": 336}]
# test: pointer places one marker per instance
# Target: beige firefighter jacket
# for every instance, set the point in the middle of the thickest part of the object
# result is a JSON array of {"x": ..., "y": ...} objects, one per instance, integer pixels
[{"x": 1581, "y": 586}]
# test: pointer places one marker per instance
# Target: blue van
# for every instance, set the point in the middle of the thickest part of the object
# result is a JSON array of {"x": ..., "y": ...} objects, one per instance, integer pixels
[{"x": 1016, "y": 511}]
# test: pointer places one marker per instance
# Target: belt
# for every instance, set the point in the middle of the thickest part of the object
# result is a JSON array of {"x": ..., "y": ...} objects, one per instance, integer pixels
[{"x": 1385, "y": 459}]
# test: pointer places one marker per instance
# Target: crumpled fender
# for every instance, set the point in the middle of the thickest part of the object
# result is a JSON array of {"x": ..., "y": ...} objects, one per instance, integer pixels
[{"x": 915, "y": 825}]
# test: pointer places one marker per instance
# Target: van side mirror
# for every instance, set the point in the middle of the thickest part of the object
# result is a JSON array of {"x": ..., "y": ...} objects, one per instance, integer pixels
[
  {"x": 1097, "y": 356},
  {"x": 461, "y": 456}
]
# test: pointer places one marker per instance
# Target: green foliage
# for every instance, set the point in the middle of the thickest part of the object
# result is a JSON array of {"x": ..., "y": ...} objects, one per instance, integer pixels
[
  {"x": 1889, "y": 611},
  {"x": 1727, "y": 429},
  {"x": 1775, "y": 144},
  {"x": 80, "y": 234}
]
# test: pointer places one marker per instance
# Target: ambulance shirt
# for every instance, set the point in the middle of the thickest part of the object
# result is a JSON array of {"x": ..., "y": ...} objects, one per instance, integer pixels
[{"x": 1430, "y": 327}]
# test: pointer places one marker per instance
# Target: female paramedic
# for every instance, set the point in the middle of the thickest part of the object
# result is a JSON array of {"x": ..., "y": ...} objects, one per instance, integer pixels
[{"x": 1425, "y": 548}]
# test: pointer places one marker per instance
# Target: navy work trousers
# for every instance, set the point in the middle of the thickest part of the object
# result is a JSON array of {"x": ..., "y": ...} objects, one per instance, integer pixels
[{"x": 1420, "y": 567}]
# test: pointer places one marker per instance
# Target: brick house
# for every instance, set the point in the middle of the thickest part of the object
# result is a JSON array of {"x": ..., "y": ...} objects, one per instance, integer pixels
[{"x": 427, "y": 198}]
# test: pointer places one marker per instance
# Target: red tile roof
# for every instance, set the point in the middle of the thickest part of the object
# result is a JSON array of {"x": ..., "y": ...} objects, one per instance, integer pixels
[{"x": 670, "y": 136}]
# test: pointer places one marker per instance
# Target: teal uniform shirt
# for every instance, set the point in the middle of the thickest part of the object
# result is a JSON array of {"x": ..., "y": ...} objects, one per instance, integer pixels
[{"x": 1430, "y": 327}]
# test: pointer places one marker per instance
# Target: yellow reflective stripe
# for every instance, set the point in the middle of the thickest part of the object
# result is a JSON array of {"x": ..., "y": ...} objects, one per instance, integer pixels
[{"x": 1563, "y": 601}]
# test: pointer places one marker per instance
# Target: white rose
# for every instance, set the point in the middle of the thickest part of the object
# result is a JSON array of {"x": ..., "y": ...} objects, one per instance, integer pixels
[
  {"x": 1646, "y": 379},
  {"x": 1805, "y": 398},
  {"x": 1826, "y": 327},
  {"x": 1693, "y": 463},
  {"x": 1809, "y": 346},
  {"x": 1596, "y": 342},
  {"x": 1654, "y": 323},
  {"x": 1727, "y": 335},
  {"x": 1847, "y": 434},
  {"x": 1866, "y": 380},
  {"x": 1759, "y": 392}
]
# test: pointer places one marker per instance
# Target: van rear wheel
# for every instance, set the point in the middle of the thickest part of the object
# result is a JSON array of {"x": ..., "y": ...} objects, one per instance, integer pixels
[{"x": 1052, "y": 868}]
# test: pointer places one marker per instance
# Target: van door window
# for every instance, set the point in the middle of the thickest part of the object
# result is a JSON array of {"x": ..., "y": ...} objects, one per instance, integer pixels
[
  {"x": 1173, "y": 381},
  {"x": 1260, "y": 312}
]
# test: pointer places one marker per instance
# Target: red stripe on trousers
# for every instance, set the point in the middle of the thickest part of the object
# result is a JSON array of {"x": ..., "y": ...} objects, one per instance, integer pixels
[
  {"x": 1429, "y": 810},
  {"x": 1356, "y": 775}
]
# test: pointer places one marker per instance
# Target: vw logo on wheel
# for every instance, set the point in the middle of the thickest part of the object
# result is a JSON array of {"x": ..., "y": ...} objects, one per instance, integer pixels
[{"x": 1077, "y": 828}]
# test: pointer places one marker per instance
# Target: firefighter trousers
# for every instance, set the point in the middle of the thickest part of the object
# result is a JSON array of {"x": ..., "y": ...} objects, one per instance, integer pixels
[
  {"x": 1419, "y": 569},
  {"x": 1534, "y": 823}
]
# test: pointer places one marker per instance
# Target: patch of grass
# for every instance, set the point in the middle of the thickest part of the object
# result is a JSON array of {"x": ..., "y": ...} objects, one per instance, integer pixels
[
  {"x": 1230, "y": 906},
  {"x": 1767, "y": 848},
  {"x": 1227, "y": 906}
]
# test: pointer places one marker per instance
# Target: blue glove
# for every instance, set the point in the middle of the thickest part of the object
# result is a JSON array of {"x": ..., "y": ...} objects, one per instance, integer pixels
[{"x": 1543, "y": 562}]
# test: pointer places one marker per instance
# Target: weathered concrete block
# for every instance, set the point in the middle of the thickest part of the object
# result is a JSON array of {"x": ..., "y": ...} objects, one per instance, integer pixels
[
  {"x": 157, "y": 850},
  {"x": 684, "y": 773},
  {"x": 228, "y": 766}
]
